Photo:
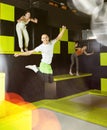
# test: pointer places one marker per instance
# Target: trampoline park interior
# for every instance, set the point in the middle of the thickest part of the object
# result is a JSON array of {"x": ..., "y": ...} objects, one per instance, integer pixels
[{"x": 70, "y": 102}]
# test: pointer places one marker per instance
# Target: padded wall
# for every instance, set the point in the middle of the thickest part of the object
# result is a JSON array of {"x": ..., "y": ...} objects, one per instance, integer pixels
[
  {"x": 103, "y": 63},
  {"x": 6, "y": 28},
  {"x": 24, "y": 81}
]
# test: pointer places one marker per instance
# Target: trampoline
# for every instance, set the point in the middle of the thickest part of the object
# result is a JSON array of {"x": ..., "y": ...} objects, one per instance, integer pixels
[{"x": 83, "y": 111}]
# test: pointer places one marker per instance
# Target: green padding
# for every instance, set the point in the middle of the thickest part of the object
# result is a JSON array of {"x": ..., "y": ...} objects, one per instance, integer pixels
[
  {"x": 65, "y": 36},
  {"x": 98, "y": 92},
  {"x": 71, "y": 47},
  {"x": 6, "y": 12},
  {"x": 103, "y": 59},
  {"x": 67, "y": 76},
  {"x": 89, "y": 113},
  {"x": 6, "y": 44},
  {"x": 57, "y": 48},
  {"x": 104, "y": 84},
  {"x": 14, "y": 52}
]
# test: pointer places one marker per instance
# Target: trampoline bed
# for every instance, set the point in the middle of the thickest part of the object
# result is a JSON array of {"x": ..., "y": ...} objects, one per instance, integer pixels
[{"x": 83, "y": 111}]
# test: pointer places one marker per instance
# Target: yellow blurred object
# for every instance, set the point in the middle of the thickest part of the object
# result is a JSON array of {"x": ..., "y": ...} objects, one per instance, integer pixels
[
  {"x": 14, "y": 117},
  {"x": 2, "y": 87}
]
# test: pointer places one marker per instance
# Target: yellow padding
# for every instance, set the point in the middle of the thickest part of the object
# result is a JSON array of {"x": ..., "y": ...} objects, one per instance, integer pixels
[
  {"x": 65, "y": 36},
  {"x": 71, "y": 47},
  {"x": 6, "y": 43},
  {"x": 67, "y": 76},
  {"x": 103, "y": 59},
  {"x": 2, "y": 86},
  {"x": 6, "y": 12},
  {"x": 13, "y": 117},
  {"x": 103, "y": 84},
  {"x": 14, "y": 52},
  {"x": 57, "y": 48}
]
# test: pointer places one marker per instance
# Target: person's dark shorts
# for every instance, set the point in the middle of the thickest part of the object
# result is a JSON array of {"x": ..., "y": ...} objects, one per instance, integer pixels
[{"x": 47, "y": 78}]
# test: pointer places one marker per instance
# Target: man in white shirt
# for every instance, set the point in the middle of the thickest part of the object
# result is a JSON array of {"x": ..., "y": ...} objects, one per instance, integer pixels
[{"x": 44, "y": 71}]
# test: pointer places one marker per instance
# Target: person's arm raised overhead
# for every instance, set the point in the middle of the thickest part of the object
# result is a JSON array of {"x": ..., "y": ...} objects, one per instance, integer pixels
[{"x": 61, "y": 33}]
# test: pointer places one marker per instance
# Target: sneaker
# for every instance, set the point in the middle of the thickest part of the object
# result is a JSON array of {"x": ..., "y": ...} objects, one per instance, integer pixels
[
  {"x": 21, "y": 50},
  {"x": 32, "y": 67},
  {"x": 26, "y": 49},
  {"x": 77, "y": 74},
  {"x": 70, "y": 73}
]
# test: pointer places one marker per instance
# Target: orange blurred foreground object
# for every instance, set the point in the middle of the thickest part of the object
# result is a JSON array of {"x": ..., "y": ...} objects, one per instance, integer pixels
[
  {"x": 14, "y": 98},
  {"x": 47, "y": 120}
]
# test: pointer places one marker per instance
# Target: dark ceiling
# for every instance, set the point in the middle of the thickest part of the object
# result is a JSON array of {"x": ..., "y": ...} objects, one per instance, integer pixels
[{"x": 82, "y": 19}]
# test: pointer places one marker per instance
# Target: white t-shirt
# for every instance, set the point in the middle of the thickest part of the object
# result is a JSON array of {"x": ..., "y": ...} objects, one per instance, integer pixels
[{"x": 46, "y": 51}]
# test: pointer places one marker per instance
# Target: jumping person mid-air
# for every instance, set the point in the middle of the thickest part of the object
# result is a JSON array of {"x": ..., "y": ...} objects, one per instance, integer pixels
[{"x": 44, "y": 71}]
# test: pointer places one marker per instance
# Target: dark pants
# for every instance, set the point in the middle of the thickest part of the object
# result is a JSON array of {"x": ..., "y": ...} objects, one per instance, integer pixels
[
  {"x": 47, "y": 78},
  {"x": 74, "y": 58}
]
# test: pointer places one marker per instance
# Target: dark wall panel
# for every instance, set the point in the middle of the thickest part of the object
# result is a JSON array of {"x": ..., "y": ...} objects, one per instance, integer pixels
[
  {"x": 91, "y": 64},
  {"x": 7, "y": 28},
  {"x": 20, "y": 80},
  {"x": 24, "y": 4},
  {"x": 103, "y": 48},
  {"x": 65, "y": 88}
]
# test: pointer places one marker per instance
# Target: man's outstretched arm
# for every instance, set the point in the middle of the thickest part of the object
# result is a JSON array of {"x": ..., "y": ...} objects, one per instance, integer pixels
[
  {"x": 61, "y": 33},
  {"x": 24, "y": 53}
]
